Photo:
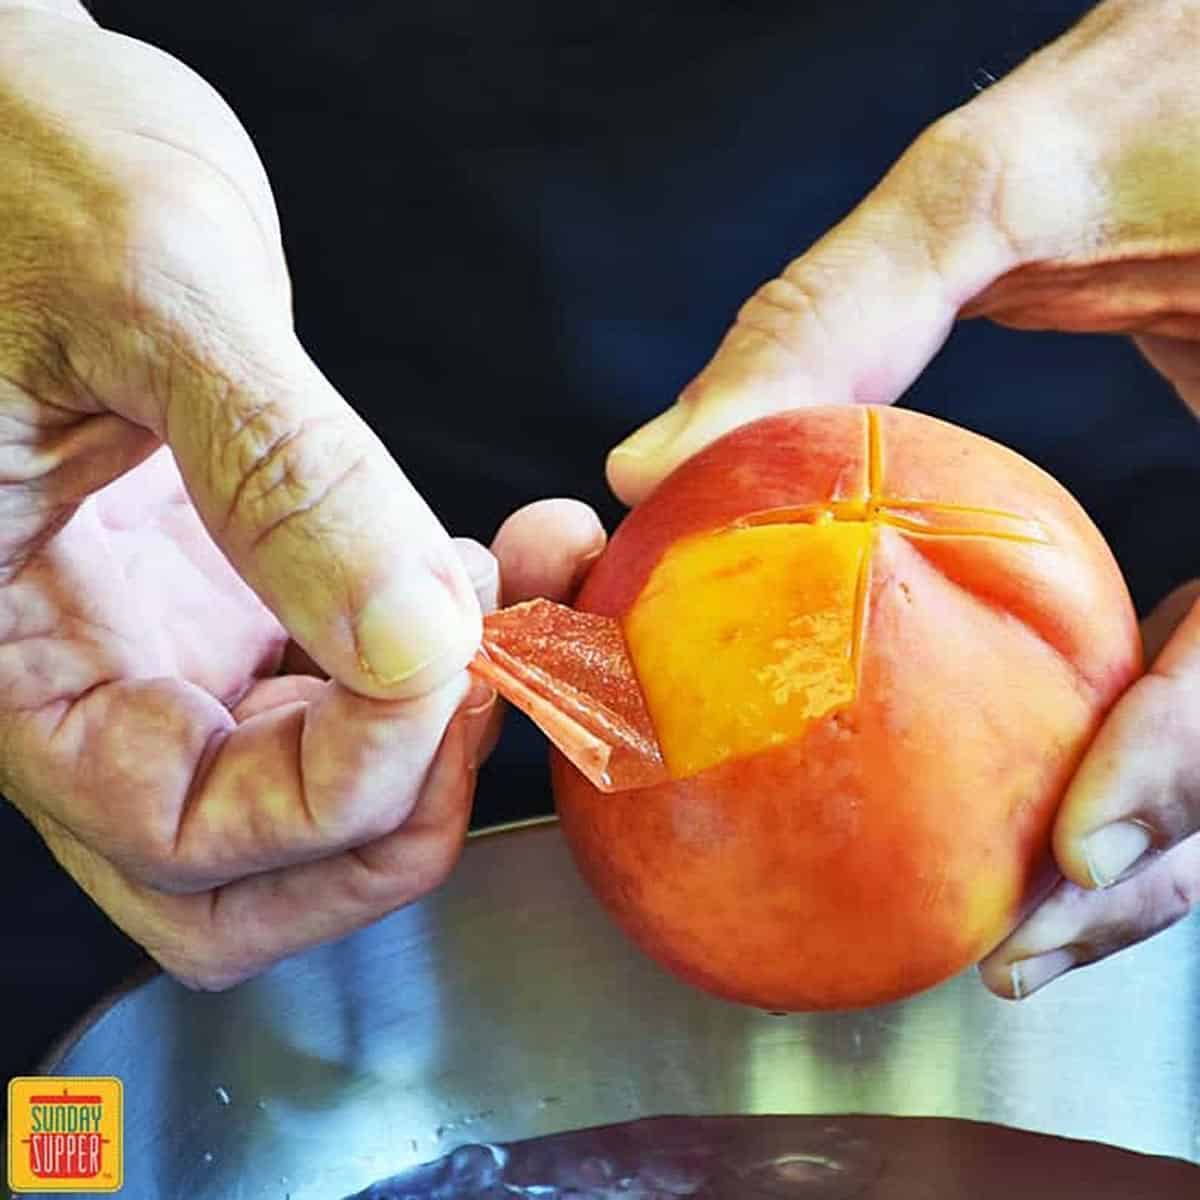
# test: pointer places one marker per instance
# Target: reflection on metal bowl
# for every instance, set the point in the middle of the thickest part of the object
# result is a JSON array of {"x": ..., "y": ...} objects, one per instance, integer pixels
[{"x": 506, "y": 1007}]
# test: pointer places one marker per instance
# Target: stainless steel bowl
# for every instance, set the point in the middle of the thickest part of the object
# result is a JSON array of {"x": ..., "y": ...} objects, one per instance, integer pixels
[{"x": 507, "y": 1006}]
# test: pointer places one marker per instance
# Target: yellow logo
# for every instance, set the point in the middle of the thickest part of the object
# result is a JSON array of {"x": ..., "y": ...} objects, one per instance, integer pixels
[{"x": 64, "y": 1135}]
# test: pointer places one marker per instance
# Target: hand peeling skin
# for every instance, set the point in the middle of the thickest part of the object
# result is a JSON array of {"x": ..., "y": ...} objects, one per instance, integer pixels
[
  {"x": 575, "y": 676},
  {"x": 181, "y": 500}
]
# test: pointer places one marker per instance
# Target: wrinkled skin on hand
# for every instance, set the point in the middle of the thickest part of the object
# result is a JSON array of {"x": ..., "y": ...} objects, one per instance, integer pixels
[
  {"x": 1066, "y": 197},
  {"x": 232, "y": 635}
]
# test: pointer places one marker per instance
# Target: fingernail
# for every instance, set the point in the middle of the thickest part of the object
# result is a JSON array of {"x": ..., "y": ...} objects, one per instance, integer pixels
[
  {"x": 479, "y": 701},
  {"x": 413, "y": 625},
  {"x": 474, "y": 714},
  {"x": 481, "y": 567},
  {"x": 582, "y": 569},
  {"x": 1113, "y": 849},
  {"x": 1030, "y": 974}
]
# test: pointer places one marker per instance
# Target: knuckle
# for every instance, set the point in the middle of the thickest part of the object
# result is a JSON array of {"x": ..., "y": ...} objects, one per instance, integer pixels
[
  {"x": 1141, "y": 908},
  {"x": 137, "y": 844},
  {"x": 205, "y": 970},
  {"x": 199, "y": 946},
  {"x": 274, "y": 466},
  {"x": 786, "y": 309},
  {"x": 190, "y": 195},
  {"x": 1159, "y": 904},
  {"x": 1158, "y": 908},
  {"x": 1165, "y": 732},
  {"x": 955, "y": 179},
  {"x": 198, "y": 266},
  {"x": 434, "y": 868},
  {"x": 440, "y": 863},
  {"x": 383, "y": 885},
  {"x": 1184, "y": 894},
  {"x": 339, "y": 820},
  {"x": 152, "y": 855},
  {"x": 344, "y": 807},
  {"x": 1181, "y": 867},
  {"x": 149, "y": 857}
]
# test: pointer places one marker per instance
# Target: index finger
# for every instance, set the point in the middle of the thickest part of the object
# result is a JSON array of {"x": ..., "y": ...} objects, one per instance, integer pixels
[
  {"x": 186, "y": 796},
  {"x": 856, "y": 318},
  {"x": 213, "y": 939}
]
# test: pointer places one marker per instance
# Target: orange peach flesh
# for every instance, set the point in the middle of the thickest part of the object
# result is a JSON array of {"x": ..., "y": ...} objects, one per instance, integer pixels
[{"x": 741, "y": 638}]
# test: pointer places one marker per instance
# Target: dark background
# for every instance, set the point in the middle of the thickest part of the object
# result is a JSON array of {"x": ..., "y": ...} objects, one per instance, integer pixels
[{"x": 516, "y": 228}]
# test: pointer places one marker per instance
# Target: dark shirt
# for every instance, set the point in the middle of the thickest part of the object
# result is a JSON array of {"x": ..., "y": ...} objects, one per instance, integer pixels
[{"x": 516, "y": 228}]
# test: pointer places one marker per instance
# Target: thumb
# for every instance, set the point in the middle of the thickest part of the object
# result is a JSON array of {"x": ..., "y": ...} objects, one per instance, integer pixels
[
  {"x": 856, "y": 318},
  {"x": 315, "y": 515}
]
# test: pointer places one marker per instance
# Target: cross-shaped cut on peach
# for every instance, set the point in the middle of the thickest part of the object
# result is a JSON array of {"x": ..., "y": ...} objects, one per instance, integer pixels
[{"x": 740, "y": 637}]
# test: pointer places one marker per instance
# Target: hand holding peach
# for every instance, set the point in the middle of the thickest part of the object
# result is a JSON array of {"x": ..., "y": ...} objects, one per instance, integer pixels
[{"x": 1064, "y": 197}]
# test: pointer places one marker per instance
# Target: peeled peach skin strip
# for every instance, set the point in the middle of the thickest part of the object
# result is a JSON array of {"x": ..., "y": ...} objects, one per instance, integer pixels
[{"x": 571, "y": 674}]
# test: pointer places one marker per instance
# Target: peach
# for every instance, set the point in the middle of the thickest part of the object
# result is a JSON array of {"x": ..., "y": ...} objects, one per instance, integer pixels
[{"x": 874, "y": 647}]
